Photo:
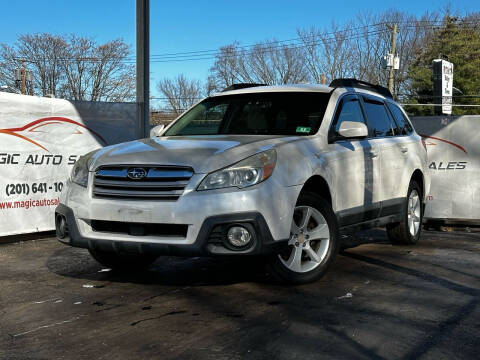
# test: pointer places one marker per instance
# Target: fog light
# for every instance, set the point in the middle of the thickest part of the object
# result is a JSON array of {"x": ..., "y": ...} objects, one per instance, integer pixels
[{"x": 238, "y": 236}]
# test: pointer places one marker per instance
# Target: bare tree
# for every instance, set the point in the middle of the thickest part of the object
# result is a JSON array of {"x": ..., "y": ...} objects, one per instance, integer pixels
[
  {"x": 413, "y": 37},
  {"x": 272, "y": 63},
  {"x": 369, "y": 47},
  {"x": 71, "y": 67},
  {"x": 77, "y": 68},
  {"x": 8, "y": 66},
  {"x": 358, "y": 48},
  {"x": 226, "y": 69},
  {"x": 268, "y": 62},
  {"x": 180, "y": 93},
  {"x": 42, "y": 53},
  {"x": 112, "y": 79},
  {"x": 328, "y": 52}
]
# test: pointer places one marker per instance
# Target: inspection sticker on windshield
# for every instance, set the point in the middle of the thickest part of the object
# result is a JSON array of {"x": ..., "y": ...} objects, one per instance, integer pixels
[{"x": 303, "y": 129}]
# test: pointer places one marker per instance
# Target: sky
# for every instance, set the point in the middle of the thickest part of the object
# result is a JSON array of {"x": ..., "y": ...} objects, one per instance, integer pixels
[{"x": 180, "y": 26}]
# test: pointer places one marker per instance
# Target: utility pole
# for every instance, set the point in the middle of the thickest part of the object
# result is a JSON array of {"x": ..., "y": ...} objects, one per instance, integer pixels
[
  {"x": 392, "y": 51},
  {"x": 323, "y": 81},
  {"x": 23, "y": 78},
  {"x": 143, "y": 62}
]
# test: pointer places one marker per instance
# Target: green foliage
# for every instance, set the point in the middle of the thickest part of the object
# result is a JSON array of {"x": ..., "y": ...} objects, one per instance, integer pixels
[{"x": 458, "y": 41}]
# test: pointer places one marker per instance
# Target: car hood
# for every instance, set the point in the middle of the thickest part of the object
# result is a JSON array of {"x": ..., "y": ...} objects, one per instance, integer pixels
[{"x": 203, "y": 153}]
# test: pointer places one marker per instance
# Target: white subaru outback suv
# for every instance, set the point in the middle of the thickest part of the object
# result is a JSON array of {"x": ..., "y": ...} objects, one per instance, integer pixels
[{"x": 254, "y": 170}]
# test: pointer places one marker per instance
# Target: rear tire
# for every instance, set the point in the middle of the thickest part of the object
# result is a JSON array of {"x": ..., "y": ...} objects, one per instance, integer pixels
[
  {"x": 407, "y": 231},
  {"x": 123, "y": 262},
  {"x": 313, "y": 243}
]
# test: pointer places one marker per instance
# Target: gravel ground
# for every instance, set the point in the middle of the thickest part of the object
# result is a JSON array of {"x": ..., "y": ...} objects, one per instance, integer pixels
[{"x": 377, "y": 301}]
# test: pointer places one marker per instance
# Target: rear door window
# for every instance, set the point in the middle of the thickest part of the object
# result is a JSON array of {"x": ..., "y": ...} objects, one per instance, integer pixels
[{"x": 378, "y": 120}]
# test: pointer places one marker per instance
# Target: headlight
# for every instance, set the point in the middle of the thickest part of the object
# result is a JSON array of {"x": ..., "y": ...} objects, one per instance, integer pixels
[
  {"x": 248, "y": 172},
  {"x": 79, "y": 173}
]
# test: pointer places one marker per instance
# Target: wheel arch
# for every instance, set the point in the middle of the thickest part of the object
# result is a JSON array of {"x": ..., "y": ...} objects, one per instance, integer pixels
[
  {"x": 418, "y": 177},
  {"x": 318, "y": 185}
]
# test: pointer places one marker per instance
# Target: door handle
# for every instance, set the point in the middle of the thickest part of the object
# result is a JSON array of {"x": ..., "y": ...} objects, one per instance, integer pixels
[
  {"x": 403, "y": 149},
  {"x": 373, "y": 154}
]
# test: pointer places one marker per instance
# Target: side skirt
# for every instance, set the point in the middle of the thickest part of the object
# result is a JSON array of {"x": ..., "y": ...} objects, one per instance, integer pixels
[
  {"x": 381, "y": 221},
  {"x": 386, "y": 212}
]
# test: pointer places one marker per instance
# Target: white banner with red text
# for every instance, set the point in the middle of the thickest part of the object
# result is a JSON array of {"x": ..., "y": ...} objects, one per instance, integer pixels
[
  {"x": 40, "y": 141},
  {"x": 454, "y": 164}
]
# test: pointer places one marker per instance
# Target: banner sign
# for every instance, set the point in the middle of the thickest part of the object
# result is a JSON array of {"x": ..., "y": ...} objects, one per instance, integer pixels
[
  {"x": 454, "y": 164},
  {"x": 40, "y": 141}
]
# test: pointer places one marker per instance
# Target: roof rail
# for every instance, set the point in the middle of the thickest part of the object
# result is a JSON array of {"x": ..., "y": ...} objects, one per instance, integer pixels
[
  {"x": 362, "y": 85},
  {"x": 241, "y": 86}
]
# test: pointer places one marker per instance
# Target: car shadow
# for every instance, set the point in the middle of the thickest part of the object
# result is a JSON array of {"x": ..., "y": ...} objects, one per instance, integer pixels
[
  {"x": 183, "y": 271},
  {"x": 374, "y": 236},
  {"x": 167, "y": 270}
]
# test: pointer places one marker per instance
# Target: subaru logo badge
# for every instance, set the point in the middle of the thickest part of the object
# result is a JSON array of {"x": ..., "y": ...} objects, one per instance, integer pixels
[{"x": 136, "y": 173}]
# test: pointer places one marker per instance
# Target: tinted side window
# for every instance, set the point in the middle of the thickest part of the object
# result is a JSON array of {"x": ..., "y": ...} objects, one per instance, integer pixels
[
  {"x": 349, "y": 110},
  {"x": 378, "y": 120},
  {"x": 403, "y": 124}
]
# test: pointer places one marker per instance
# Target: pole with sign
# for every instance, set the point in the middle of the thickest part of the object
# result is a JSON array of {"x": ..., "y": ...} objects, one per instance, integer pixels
[{"x": 443, "y": 86}]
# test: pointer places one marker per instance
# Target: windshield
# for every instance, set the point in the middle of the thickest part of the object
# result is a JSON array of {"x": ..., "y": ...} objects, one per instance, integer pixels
[{"x": 254, "y": 114}]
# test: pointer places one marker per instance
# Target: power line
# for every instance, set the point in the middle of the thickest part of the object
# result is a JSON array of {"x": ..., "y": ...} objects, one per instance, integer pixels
[
  {"x": 294, "y": 43},
  {"x": 293, "y": 40},
  {"x": 263, "y": 48},
  {"x": 266, "y": 48},
  {"x": 202, "y": 52},
  {"x": 216, "y": 51},
  {"x": 175, "y": 98},
  {"x": 456, "y": 105},
  {"x": 438, "y": 96},
  {"x": 407, "y": 95}
]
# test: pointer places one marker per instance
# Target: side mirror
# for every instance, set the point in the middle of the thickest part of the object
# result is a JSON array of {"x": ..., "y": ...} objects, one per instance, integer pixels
[
  {"x": 353, "y": 129},
  {"x": 156, "y": 131}
]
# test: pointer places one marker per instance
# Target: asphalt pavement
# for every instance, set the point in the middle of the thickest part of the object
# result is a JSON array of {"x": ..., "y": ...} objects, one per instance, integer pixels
[{"x": 377, "y": 301}]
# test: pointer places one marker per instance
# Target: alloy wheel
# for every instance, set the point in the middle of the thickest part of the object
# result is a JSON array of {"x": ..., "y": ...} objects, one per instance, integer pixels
[
  {"x": 309, "y": 240},
  {"x": 413, "y": 214}
]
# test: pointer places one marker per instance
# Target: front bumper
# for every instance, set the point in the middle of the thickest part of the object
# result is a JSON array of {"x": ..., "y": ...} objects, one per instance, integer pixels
[
  {"x": 267, "y": 207},
  {"x": 211, "y": 239}
]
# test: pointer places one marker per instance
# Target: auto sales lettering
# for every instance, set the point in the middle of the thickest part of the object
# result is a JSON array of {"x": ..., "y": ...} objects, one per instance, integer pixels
[
  {"x": 35, "y": 159},
  {"x": 448, "y": 165}
]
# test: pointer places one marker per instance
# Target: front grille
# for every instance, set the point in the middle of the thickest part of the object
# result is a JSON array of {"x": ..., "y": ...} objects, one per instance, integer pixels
[
  {"x": 140, "y": 229},
  {"x": 159, "y": 182}
]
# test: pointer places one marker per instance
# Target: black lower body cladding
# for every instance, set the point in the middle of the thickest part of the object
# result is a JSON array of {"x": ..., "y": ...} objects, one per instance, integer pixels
[{"x": 211, "y": 239}]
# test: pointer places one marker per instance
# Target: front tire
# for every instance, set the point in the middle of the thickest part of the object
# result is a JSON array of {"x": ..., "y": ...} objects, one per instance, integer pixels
[
  {"x": 313, "y": 243},
  {"x": 408, "y": 230},
  {"x": 122, "y": 262}
]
